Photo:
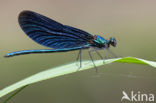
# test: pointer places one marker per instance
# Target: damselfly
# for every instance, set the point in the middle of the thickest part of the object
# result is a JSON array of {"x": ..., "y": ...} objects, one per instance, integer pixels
[{"x": 59, "y": 37}]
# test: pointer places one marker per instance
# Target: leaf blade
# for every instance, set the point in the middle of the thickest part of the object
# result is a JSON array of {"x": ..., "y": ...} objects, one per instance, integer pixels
[{"x": 67, "y": 69}]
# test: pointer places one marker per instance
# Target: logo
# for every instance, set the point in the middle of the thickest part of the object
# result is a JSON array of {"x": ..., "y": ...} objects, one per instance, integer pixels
[{"x": 138, "y": 96}]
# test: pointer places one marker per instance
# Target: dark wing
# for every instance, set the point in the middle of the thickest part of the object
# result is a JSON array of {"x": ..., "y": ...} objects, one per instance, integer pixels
[{"x": 50, "y": 33}]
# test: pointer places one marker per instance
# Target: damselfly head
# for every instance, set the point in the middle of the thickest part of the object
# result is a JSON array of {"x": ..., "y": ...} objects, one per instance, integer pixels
[{"x": 112, "y": 41}]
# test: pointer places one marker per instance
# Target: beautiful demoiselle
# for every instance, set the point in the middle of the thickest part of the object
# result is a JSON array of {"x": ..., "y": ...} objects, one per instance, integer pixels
[{"x": 61, "y": 38}]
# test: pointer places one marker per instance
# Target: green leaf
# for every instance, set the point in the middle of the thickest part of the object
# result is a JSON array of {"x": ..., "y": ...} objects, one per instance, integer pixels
[{"x": 67, "y": 69}]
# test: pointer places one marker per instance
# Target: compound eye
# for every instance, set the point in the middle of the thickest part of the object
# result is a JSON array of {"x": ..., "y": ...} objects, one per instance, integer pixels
[{"x": 113, "y": 43}]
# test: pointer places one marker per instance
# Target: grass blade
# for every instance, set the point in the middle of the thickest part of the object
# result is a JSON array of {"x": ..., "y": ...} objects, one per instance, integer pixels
[{"x": 67, "y": 69}]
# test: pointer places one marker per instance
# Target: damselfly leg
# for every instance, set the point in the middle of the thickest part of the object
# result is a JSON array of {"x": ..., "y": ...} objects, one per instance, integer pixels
[
  {"x": 100, "y": 55},
  {"x": 79, "y": 57},
  {"x": 92, "y": 60},
  {"x": 112, "y": 53}
]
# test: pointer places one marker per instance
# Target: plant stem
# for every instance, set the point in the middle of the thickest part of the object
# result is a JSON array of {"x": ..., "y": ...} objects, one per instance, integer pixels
[{"x": 11, "y": 96}]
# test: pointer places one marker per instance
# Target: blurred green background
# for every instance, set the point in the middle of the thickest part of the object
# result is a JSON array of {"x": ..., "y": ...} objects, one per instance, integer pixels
[{"x": 132, "y": 22}]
